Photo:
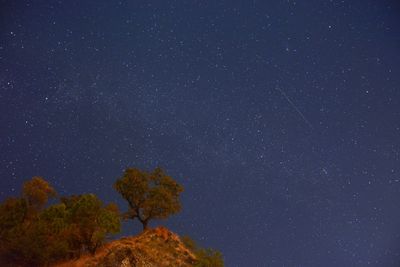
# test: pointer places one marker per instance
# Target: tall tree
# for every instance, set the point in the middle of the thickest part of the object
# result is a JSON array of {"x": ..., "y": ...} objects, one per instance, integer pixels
[{"x": 150, "y": 196}]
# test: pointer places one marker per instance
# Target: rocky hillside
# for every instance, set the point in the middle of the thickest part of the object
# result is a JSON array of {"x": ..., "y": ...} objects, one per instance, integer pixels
[{"x": 153, "y": 248}]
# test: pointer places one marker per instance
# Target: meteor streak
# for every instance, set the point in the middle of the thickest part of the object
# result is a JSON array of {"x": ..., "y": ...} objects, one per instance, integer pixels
[{"x": 297, "y": 110}]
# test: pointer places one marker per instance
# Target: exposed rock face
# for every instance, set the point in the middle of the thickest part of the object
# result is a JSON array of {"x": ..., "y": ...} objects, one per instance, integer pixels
[{"x": 154, "y": 248}]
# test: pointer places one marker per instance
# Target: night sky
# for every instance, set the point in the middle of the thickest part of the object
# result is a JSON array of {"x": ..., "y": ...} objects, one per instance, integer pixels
[{"x": 280, "y": 118}]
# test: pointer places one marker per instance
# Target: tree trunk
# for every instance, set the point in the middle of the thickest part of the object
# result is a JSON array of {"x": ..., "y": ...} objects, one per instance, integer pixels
[{"x": 145, "y": 225}]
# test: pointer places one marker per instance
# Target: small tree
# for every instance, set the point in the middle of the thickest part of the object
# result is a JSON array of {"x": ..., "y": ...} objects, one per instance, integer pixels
[
  {"x": 37, "y": 192},
  {"x": 150, "y": 196}
]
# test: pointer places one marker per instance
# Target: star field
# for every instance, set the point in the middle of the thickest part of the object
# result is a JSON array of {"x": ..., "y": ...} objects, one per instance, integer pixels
[{"x": 280, "y": 118}]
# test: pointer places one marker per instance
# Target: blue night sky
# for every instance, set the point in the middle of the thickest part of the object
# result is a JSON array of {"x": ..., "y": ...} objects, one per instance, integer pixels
[{"x": 280, "y": 118}]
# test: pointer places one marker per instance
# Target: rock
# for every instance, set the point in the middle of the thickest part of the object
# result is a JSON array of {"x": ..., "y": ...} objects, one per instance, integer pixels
[{"x": 153, "y": 248}]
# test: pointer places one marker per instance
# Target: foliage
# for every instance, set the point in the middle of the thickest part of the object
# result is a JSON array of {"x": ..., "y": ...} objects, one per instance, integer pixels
[
  {"x": 12, "y": 213},
  {"x": 150, "y": 196},
  {"x": 33, "y": 235},
  {"x": 23, "y": 238},
  {"x": 209, "y": 258},
  {"x": 89, "y": 221},
  {"x": 37, "y": 192},
  {"x": 206, "y": 257}
]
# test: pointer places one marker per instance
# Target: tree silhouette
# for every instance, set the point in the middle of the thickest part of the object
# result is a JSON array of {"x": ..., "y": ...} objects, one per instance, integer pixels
[{"x": 150, "y": 196}]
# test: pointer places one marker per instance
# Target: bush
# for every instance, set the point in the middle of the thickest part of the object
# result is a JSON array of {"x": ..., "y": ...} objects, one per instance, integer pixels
[{"x": 206, "y": 257}]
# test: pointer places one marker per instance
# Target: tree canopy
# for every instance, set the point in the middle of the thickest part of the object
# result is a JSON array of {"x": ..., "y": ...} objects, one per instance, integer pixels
[
  {"x": 37, "y": 192},
  {"x": 90, "y": 220},
  {"x": 153, "y": 195},
  {"x": 35, "y": 234}
]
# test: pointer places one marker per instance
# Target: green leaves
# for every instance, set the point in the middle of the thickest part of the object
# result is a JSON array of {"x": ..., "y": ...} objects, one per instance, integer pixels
[
  {"x": 91, "y": 220},
  {"x": 209, "y": 258},
  {"x": 150, "y": 195},
  {"x": 206, "y": 257},
  {"x": 33, "y": 235},
  {"x": 12, "y": 213}
]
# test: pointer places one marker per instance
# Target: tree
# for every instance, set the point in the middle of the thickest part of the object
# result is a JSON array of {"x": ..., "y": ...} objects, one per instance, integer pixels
[
  {"x": 150, "y": 196},
  {"x": 23, "y": 239},
  {"x": 57, "y": 231},
  {"x": 12, "y": 213},
  {"x": 37, "y": 192},
  {"x": 32, "y": 234},
  {"x": 23, "y": 235},
  {"x": 89, "y": 221}
]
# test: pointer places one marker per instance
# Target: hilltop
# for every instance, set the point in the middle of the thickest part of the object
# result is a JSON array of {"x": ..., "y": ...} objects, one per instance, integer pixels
[
  {"x": 73, "y": 231},
  {"x": 154, "y": 247}
]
